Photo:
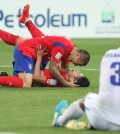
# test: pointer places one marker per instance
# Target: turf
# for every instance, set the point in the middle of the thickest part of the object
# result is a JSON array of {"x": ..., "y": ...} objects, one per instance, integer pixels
[{"x": 30, "y": 111}]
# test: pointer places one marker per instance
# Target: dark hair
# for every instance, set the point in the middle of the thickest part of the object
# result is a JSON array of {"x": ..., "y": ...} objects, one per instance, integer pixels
[
  {"x": 85, "y": 56},
  {"x": 82, "y": 81}
]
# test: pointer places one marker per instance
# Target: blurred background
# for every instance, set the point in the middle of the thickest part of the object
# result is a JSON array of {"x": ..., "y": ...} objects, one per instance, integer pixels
[{"x": 73, "y": 18}]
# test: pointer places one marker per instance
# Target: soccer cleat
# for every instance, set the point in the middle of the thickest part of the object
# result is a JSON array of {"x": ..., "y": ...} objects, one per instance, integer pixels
[
  {"x": 25, "y": 14},
  {"x": 59, "y": 110},
  {"x": 3, "y": 73}
]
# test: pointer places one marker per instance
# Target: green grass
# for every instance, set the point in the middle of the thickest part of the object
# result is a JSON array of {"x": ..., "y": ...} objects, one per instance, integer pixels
[{"x": 30, "y": 111}]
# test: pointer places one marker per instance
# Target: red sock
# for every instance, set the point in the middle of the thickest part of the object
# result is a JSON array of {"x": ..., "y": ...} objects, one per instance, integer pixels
[
  {"x": 8, "y": 37},
  {"x": 11, "y": 81},
  {"x": 35, "y": 32}
]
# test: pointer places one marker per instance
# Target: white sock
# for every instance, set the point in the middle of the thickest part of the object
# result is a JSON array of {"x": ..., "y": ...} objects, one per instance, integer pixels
[
  {"x": 74, "y": 111},
  {"x": 26, "y": 20}
]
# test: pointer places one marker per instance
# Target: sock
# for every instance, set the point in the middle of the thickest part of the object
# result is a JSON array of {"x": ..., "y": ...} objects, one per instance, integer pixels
[
  {"x": 74, "y": 111},
  {"x": 8, "y": 37},
  {"x": 35, "y": 32},
  {"x": 11, "y": 81},
  {"x": 26, "y": 20}
]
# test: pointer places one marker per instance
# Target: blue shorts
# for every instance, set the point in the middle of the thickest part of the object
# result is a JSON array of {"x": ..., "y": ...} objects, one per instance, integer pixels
[
  {"x": 43, "y": 65},
  {"x": 22, "y": 63}
]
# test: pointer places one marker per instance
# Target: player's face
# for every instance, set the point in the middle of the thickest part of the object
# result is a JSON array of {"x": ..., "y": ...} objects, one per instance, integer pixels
[
  {"x": 77, "y": 61},
  {"x": 74, "y": 73}
]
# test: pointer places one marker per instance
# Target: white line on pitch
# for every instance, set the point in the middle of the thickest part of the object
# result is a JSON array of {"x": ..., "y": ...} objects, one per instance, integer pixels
[{"x": 88, "y": 69}]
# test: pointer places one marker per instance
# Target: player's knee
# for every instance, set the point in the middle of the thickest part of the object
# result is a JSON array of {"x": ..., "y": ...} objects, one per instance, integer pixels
[
  {"x": 27, "y": 79},
  {"x": 27, "y": 85},
  {"x": 81, "y": 104},
  {"x": 19, "y": 40}
]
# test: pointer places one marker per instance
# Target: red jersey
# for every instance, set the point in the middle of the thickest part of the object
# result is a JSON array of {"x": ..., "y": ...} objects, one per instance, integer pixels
[
  {"x": 51, "y": 80},
  {"x": 57, "y": 47}
]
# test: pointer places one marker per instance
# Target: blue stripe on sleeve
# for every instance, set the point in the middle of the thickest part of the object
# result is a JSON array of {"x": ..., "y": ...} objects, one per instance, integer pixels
[{"x": 56, "y": 44}]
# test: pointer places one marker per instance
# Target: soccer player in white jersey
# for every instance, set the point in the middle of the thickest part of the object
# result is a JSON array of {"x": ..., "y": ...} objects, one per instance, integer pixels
[{"x": 102, "y": 109}]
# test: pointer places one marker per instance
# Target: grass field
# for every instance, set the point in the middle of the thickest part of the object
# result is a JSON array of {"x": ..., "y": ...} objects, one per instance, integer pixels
[{"x": 30, "y": 111}]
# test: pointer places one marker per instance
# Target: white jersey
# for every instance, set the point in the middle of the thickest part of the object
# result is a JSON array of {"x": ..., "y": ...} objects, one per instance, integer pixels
[{"x": 109, "y": 92}]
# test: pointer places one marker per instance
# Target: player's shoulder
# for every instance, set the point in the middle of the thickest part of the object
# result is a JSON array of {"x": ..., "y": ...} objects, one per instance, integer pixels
[
  {"x": 112, "y": 51},
  {"x": 62, "y": 37}
]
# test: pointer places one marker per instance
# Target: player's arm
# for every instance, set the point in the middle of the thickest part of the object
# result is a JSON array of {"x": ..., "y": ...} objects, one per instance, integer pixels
[
  {"x": 64, "y": 66},
  {"x": 38, "y": 74},
  {"x": 54, "y": 70},
  {"x": 57, "y": 54}
]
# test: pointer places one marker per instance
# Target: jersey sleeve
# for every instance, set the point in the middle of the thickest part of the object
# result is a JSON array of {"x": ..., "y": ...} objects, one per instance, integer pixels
[{"x": 58, "y": 51}]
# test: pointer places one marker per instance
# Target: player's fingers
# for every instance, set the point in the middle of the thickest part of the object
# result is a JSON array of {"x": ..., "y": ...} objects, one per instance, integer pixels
[
  {"x": 39, "y": 47},
  {"x": 36, "y": 49},
  {"x": 45, "y": 53},
  {"x": 44, "y": 49},
  {"x": 76, "y": 85}
]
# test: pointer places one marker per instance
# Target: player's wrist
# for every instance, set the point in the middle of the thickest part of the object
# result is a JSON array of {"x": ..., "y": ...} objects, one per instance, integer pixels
[{"x": 39, "y": 57}]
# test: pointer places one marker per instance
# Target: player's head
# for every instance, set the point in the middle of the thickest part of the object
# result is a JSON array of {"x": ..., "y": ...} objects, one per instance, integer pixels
[
  {"x": 77, "y": 78},
  {"x": 83, "y": 57},
  {"x": 82, "y": 81},
  {"x": 79, "y": 57}
]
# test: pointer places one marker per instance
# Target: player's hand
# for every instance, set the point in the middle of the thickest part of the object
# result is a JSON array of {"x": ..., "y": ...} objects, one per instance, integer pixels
[
  {"x": 71, "y": 84},
  {"x": 40, "y": 52}
]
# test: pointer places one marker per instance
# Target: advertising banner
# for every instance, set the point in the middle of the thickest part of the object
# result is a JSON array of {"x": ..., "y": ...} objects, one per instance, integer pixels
[{"x": 72, "y": 18}]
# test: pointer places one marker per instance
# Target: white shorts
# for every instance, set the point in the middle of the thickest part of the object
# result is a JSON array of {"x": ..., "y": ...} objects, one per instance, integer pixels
[{"x": 95, "y": 120}]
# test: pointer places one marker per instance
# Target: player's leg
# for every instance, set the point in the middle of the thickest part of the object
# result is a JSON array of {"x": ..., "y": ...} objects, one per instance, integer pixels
[
  {"x": 10, "y": 38},
  {"x": 27, "y": 79},
  {"x": 25, "y": 18},
  {"x": 23, "y": 67},
  {"x": 11, "y": 81},
  {"x": 35, "y": 32},
  {"x": 19, "y": 40},
  {"x": 74, "y": 111},
  {"x": 93, "y": 113},
  {"x": 23, "y": 80},
  {"x": 101, "y": 124}
]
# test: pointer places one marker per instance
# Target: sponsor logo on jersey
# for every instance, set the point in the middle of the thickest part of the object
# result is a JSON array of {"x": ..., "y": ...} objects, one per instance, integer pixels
[{"x": 58, "y": 55}]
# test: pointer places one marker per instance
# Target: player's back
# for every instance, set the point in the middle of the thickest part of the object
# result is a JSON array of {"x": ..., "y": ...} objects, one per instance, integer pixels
[
  {"x": 29, "y": 46},
  {"x": 109, "y": 92}
]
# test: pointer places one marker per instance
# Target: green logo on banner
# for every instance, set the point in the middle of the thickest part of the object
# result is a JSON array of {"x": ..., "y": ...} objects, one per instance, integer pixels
[{"x": 108, "y": 14}]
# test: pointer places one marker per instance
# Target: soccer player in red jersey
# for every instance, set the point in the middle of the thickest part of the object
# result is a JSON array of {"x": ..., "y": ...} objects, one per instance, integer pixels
[
  {"x": 44, "y": 77},
  {"x": 40, "y": 77},
  {"x": 48, "y": 79},
  {"x": 58, "y": 49}
]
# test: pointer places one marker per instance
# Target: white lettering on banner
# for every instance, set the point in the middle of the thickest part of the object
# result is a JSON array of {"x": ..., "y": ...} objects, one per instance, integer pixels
[{"x": 47, "y": 19}]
